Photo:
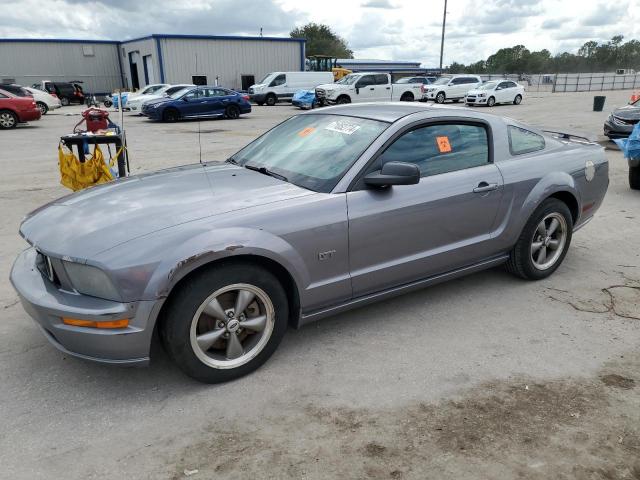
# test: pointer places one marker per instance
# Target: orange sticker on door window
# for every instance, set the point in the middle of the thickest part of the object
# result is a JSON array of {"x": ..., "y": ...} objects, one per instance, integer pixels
[
  {"x": 443, "y": 144},
  {"x": 306, "y": 131}
]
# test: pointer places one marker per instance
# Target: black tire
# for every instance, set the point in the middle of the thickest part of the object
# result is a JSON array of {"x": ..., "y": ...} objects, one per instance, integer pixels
[
  {"x": 170, "y": 115},
  {"x": 491, "y": 102},
  {"x": 8, "y": 119},
  {"x": 271, "y": 99},
  {"x": 520, "y": 261},
  {"x": 260, "y": 103},
  {"x": 65, "y": 101},
  {"x": 175, "y": 328},
  {"x": 343, "y": 99},
  {"x": 406, "y": 97},
  {"x": 517, "y": 100},
  {"x": 43, "y": 107},
  {"x": 634, "y": 178},
  {"x": 108, "y": 103},
  {"x": 440, "y": 97},
  {"x": 232, "y": 112}
]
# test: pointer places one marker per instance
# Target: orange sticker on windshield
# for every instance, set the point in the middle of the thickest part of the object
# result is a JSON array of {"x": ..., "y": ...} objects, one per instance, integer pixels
[
  {"x": 443, "y": 144},
  {"x": 306, "y": 131}
]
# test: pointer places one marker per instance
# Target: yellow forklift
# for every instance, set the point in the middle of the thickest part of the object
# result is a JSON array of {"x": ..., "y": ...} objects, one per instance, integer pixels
[{"x": 326, "y": 63}]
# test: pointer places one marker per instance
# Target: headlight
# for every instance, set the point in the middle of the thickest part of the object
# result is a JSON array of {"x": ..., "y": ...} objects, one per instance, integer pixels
[
  {"x": 91, "y": 281},
  {"x": 328, "y": 92},
  {"x": 482, "y": 94}
]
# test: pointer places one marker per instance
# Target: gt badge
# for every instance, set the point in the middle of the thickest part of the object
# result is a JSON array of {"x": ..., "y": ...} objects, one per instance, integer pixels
[{"x": 589, "y": 170}]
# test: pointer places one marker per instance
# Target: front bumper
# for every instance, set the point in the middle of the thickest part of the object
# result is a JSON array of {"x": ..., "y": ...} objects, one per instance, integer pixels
[
  {"x": 615, "y": 130},
  {"x": 47, "y": 304},
  {"x": 475, "y": 100},
  {"x": 258, "y": 97},
  {"x": 429, "y": 95}
]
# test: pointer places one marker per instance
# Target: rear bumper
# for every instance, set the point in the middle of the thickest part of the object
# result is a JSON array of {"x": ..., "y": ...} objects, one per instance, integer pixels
[
  {"x": 30, "y": 115},
  {"x": 47, "y": 304}
]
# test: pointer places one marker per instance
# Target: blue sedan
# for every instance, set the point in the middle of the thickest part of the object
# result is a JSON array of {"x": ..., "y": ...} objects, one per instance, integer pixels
[{"x": 198, "y": 102}]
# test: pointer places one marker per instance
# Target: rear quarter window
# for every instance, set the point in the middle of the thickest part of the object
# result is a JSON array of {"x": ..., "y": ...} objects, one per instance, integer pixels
[{"x": 524, "y": 141}]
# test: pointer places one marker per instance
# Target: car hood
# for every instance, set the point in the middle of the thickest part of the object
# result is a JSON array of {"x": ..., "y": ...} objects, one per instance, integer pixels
[
  {"x": 86, "y": 223},
  {"x": 332, "y": 86},
  {"x": 628, "y": 112},
  {"x": 156, "y": 101},
  {"x": 477, "y": 91}
]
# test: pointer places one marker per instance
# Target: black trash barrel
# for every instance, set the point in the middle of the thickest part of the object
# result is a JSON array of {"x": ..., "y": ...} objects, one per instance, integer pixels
[{"x": 598, "y": 103}]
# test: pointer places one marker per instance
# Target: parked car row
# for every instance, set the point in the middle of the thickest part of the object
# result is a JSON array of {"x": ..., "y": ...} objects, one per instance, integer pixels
[
  {"x": 16, "y": 109},
  {"x": 67, "y": 92}
]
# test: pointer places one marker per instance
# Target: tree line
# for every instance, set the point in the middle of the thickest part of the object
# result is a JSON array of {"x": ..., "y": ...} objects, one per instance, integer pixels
[{"x": 591, "y": 57}]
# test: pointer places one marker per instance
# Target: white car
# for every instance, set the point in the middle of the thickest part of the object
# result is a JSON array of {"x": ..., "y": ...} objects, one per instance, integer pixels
[
  {"x": 44, "y": 100},
  {"x": 367, "y": 87},
  {"x": 450, "y": 87},
  {"x": 135, "y": 103},
  {"x": 495, "y": 91}
]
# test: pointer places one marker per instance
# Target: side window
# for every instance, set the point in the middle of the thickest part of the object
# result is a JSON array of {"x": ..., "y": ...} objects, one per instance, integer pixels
[
  {"x": 279, "y": 80},
  {"x": 382, "y": 80},
  {"x": 365, "y": 81},
  {"x": 456, "y": 81},
  {"x": 523, "y": 141},
  {"x": 193, "y": 94},
  {"x": 511, "y": 84},
  {"x": 441, "y": 148},
  {"x": 2, "y": 95}
]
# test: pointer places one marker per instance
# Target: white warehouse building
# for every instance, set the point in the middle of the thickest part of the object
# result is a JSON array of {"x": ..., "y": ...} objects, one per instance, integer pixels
[{"x": 231, "y": 61}]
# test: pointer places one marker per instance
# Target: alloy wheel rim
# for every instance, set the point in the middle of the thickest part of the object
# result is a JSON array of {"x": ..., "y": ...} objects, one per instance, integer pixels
[
  {"x": 6, "y": 120},
  {"x": 232, "y": 326},
  {"x": 548, "y": 241},
  {"x": 42, "y": 108}
]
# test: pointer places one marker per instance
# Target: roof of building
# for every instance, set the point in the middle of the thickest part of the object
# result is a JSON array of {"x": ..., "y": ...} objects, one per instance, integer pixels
[{"x": 154, "y": 35}]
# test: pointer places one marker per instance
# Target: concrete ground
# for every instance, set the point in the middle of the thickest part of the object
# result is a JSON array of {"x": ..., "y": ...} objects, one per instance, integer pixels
[{"x": 487, "y": 376}]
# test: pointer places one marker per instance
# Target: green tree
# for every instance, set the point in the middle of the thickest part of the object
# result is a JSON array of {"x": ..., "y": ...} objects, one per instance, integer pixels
[{"x": 321, "y": 40}]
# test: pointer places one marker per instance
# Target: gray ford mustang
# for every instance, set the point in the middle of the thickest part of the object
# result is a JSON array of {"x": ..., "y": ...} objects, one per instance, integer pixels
[{"x": 330, "y": 210}]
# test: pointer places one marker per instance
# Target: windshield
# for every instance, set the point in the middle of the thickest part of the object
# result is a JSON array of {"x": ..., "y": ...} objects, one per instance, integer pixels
[
  {"x": 266, "y": 78},
  {"x": 312, "y": 151},
  {"x": 179, "y": 93},
  {"x": 488, "y": 86},
  {"x": 442, "y": 81},
  {"x": 348, "y": 80}
]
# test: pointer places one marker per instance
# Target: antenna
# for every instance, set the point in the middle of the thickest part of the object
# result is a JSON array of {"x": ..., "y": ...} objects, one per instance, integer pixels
[
  {"x": 260, "y": 31},
  {"x": 199, "y": 142}
]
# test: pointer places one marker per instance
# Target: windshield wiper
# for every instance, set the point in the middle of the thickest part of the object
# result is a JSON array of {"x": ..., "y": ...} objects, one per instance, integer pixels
[
  {"x": 232, "y": 161},
  {"x": 265, "y": 171}
]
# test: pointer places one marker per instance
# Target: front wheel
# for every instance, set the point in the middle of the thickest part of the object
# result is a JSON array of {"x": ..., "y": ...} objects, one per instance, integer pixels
[
  {"x": 343, "y": 99},
  {"x": 271, "y": 99},
  {"x": 225, "y": 322},
  {"x": 42, "y": 107},
  {"x": 440, "y": 97},
  {"x": 108, "y": 103},
  {"x": 491, "y": 102},
  {"x": 232, "y": 112},
  {"x": 170, "y": 115},
  {"x": 634, "y": 178},
  {"x": 517, "y": 100},
  {"x": 544, "y": 241}
]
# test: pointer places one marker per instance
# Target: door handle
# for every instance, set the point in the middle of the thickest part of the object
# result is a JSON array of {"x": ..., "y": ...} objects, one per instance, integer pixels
[
  {"x": 388, "y": 88},
  {"x": 372, "y": 88},
  {"x": 485, "y": 187}
]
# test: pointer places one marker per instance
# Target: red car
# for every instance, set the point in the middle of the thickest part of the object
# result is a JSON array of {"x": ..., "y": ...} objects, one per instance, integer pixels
[{"x": 14, "y": 109}]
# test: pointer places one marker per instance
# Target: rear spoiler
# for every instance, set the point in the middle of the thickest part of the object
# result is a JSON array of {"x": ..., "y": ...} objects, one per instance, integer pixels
[{"x": 571, "y": 136}]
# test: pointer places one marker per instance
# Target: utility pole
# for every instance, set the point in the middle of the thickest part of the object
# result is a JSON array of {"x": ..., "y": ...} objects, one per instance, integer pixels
[{"x": 444, "y": 22}]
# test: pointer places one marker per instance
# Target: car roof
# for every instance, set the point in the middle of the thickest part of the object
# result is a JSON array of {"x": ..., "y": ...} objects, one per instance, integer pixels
[{"x": 381, "y": 111}]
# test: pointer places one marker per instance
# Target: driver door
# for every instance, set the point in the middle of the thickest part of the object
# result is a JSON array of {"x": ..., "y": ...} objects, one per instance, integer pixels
[
  {"x": 366, "y": 89},
  {"x": 401, "y": 234},
  {"x": 193, "y": 103}
]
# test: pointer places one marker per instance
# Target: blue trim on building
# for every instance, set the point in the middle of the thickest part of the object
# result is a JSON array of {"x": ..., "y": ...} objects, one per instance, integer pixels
[
  {"x": 122, "y": 82},
  {"x": 160, "y": 61},
  {"x": 213, "y": 37},
  {"x": 59, "y": 40}
]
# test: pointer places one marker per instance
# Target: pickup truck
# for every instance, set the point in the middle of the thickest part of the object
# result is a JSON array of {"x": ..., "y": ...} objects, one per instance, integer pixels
[{"x": 367, "y": 87}]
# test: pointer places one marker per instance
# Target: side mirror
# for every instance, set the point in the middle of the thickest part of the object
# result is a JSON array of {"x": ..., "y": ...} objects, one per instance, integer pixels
[
  {"x": 394, "y": 173},
  {"x": 357, "y": 90}
]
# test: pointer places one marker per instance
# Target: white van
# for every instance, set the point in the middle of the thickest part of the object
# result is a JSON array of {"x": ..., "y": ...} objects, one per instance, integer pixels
[{"x": 282, "y": 85}]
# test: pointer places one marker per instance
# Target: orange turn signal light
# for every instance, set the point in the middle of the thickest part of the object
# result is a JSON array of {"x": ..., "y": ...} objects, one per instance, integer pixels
[{"x": 93, "y": 324}]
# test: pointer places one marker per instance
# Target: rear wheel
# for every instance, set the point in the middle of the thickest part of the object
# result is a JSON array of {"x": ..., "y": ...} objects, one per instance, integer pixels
[
  {"x": 440, "y": 97},
  {"x": 8, "y": 119},
  {"x": 225, "y": 322},
  {"x": 64, "y": 101},
  {"x": 232, "y": 112},
  {"x": 491, "y": 102},
  {"x": 271, "y": 99},
  {"x": 406, "y": 97},
  {"x": 517, "y": 100},
  {"x": 170, "y": 115},
  {"x": 42, "y": 107},
  {"x": 634, "y": 178},
  {"x": 544, "y": 241}
]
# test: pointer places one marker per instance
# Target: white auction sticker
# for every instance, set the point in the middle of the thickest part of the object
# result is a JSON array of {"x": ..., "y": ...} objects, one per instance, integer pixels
[{"x": 342, "y": 126}]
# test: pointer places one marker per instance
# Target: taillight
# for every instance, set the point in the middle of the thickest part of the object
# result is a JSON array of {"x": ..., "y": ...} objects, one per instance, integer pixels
[
  {"x": 53, "y": 95},
  {"x": 246, "y": 97}
]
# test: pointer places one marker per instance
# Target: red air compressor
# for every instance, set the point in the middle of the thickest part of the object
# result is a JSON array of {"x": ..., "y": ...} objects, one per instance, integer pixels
[{"x": 95, "y": 118}]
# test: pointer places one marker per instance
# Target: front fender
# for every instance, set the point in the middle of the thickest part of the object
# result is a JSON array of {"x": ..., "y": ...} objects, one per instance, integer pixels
[{"x": 173, "y": 253}]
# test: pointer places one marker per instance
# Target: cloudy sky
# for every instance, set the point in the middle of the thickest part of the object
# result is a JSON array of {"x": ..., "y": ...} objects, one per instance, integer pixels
[{"x": 385, "y": 29}]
